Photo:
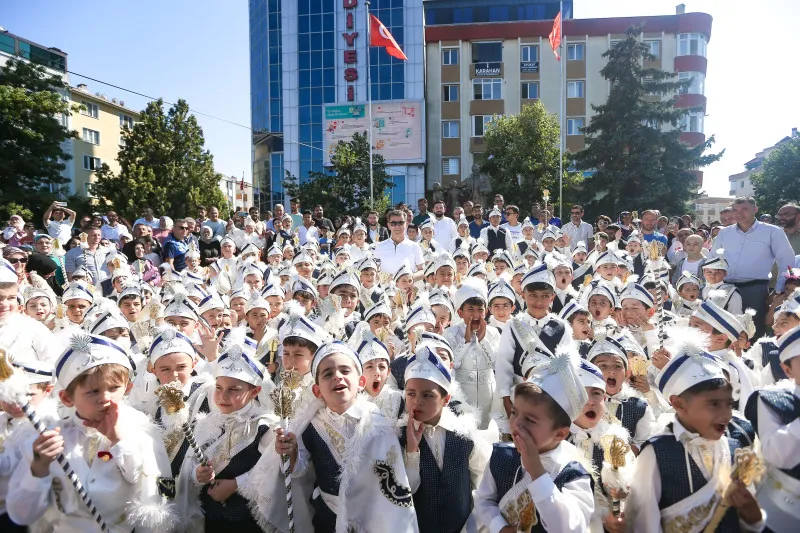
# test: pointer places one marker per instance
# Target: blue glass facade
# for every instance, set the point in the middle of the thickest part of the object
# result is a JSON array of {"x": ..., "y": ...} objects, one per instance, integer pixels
[
  {"x": 468, "y": 12},
  {"x": 387, "y": 74}
]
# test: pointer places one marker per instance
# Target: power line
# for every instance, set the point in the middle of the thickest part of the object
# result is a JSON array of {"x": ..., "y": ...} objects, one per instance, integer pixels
[{"x": 389, "y": 170}]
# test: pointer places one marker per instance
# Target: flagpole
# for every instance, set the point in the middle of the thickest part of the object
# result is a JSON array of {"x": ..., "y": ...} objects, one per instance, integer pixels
[
  {"x": 561, "y": 120},
  {"x": 369, "y": 109}
]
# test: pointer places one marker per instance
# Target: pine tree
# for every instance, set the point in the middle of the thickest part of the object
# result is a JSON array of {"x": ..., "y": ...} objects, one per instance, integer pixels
[
  {"x": 633, "y": 140},
  {"x": 778, "y": 182}
]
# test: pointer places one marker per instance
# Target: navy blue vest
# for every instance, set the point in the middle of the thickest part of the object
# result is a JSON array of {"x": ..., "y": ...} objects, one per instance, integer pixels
[
  {"x": 597, "y": 458},
  {"x": 671, "y": 462},
  {"x": 557, "y": 306},
  {"x": 236, "y": 509},
  {"x": 398, "y": 370},
  {"x": 327, "y": 472},
  {"x": 633, "y": 409},
  {"x": 741, "y": 430},
  {"x": 518, "y": 351},
  {"x": 176, "y": 463},
  {"x": 496, "y": 240},
  {"x": 506, "y": 465},
  {"x": 770, "y": 356},
  {"x": 786, "y": 407},
  {"x": 443, "y": 500}
]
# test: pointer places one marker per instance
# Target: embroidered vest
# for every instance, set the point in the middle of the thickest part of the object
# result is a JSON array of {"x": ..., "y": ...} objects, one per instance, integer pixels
[
  {"x": 496, "y": 239},
  {"x": 443, "y": 500},
  {"x": 505, "y": 465},
  {"x": 671, "y": 464},
  {"x": 769, "y": 356},
  {"x": 741, "y": 430},
  {"x": 785, "y": 405},
  {"x": 522, "y": 247},
  {"x": 629, "y": 412},
  {"x": 398, "y": 369},
  {"x": 518, "y": 351},
  {"x": 327, "y": 472},
  {"x": 236, "y": 508}
]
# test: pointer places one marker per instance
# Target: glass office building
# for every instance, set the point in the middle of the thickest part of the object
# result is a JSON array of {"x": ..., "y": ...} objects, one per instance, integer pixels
[{"x": 307, "y": 54}]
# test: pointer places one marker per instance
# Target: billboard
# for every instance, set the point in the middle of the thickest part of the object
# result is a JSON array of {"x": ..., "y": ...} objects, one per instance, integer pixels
[{"x": 397, "y": 132}]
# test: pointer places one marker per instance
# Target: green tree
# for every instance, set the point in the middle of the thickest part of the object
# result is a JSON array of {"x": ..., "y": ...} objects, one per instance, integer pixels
[
  {"x": 345, "y": 190},
  {"x": 31, "y": 135},
  {"x": 633, "y": 140},
  {"x": 779, "y": 180},
  {"x": 163, "y": 165},
  {"x": 521, "y": 157}
]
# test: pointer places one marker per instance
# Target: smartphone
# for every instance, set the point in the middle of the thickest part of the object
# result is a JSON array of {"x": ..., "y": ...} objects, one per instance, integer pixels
[{"x": 61, "y": 204}]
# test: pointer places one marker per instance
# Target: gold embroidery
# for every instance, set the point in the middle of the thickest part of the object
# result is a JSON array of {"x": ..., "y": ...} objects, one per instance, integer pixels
[
  {"x": 521, "y": 513},
  {"x": 57, "y": 488},
  {"x": 391, "y": 488},
  {"x": 694, "y": 518},
  {"x": 337, "y": 440},
  {"x": 172, "y": 442}
]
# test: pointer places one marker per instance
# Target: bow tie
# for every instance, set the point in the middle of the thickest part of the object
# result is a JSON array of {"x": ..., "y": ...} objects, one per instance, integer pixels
[{"x": 703, "y": 446}]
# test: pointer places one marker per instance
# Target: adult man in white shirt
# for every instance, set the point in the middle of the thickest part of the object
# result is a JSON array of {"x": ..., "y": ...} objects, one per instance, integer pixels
[
  {"x": 60, "y": 227},
  {"x": 398, "y": 250},
  {"x": 148, "y": 218},
  {"x": 443, "y": 227},
  {"x": 307, "y": 231},
  {"x": 112, "y": 229},
  {"x": 751, "y": 248},
  {"x": 513, "y": 226},
  {"x": 576, "y": 229}
]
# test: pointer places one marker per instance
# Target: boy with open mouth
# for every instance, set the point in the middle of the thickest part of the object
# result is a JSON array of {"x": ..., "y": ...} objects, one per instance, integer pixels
[
  {"x": 375, "y": 359},
  {"x": 623, "y": 402}
]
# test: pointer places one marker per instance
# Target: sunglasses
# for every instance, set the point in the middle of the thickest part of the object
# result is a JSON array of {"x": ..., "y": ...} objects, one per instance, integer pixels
[
  {"x": 396, "y": 223},
  {"x": 15, "y": 260},
  {"x": 183, "y": 227}
]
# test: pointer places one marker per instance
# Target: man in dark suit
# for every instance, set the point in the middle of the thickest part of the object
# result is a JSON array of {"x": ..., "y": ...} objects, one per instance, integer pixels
[{"x": 374, "y": 230}]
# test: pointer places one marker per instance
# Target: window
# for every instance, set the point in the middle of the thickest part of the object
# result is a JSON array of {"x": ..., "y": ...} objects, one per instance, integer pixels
[
  {"x": 654, "y": 48},
  {"x": 530, "y": 90},
  {"x": 693, "y": 122},
  {"x": 91, "y": 163},
  {"x": 450, "y": 93},
  {"x": 451, "y": 165},
  {"x": 741, "y": 184},
  {"x": 91, "y": 136},
  {"x": 488, "y": 88},
  {"x": 479, "y": 123},
  {"x": 697, "y": 85},
  {"x": 450, "y": 129},
  {"x": 575, "y": 52},
  {"x": 692, "y": 44},
  {"x": 125, "y": 120},
  {"x": 529, "y": 53},
  {"x": 89, "y": 109},
  {"x": 491, "y": 52},
  {"x": 449, "y": 56},
  {"x": 575, "y": 89},
  {"x": 574, "y": 126}
]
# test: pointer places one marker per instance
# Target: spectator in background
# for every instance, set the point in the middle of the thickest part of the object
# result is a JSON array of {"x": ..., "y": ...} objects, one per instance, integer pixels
[
  {"x": 457, "y": 212},
  {"x": 625, "y": 223},
  {"x": 274, "y": 224},
  {"x": 92, "y": 257},
  {"x": 176, "y": 245},
  {"x": 307, "y": 230},
  {"x": 58, "y": 220},
  {"x": 295, "y": 213},
  {"x": 375, "y": 232},
  {"x": 392, "y": 253},
  {"x": 443, "y": 227},
  {"x": 208, "y": 246},
  {"x": 603, "y": 222},
  {"x": 85, "y": 224},
  {"x": 15, "y": 230},
  {"x": 217, "y": 226},
  {"x": 477, "y": 224},
  {"x": 19, "y": 260},
  {"x": 789, "y": 220},
  {"x": 423, "y": 215},
  {"x": 649, "y": 227},
  {"x": 142, "y": 231},
  {"x": 577, "y": 229},
  {"x": 500, "y": 203},
  {"x": 726, "y": 217},
  {"x": 201, "y": 216},
  {"x": 147, "y": 218},
  {"x": 43, "y": 244},
  {"x": 112, "y": 229},
  {"x": 255, "y": 216},
  {"x": 323, "y": 224},
  {"x": 29, "y": 230},
  {"x": 165, "y": 225},
  {"x": 468, "y": 206},
  {"x": 766, "y": 219},
  {"x": 512, "y": 224}
]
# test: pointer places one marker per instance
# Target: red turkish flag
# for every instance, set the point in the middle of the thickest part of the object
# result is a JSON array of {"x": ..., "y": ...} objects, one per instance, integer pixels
[
  {"x": 380, "y": 36},
  {"x": 555, "y": 36}
]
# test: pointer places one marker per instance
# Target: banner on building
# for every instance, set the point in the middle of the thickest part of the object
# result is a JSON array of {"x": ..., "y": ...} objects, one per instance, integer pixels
[{"x": 397, "y": 132}]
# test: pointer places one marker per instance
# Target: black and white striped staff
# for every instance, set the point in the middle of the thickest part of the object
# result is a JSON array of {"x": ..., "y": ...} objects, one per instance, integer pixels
[{"x": 14, "y": 389}]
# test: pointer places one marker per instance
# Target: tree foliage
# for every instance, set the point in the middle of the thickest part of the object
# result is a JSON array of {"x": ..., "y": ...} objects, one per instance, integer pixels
[
  {"x": 31, "y": 135},
  {"x": 633, "y": 140},
  {"x": 163, "y": 165},
  {"x": 346, "y": 189},
  {"x": 521, "y": 157},
  {"x": 778, "y": 183}
]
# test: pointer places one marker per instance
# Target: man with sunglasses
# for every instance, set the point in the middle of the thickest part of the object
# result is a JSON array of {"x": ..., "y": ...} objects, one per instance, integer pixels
[
  {"x": 577, "y": 229},
  {"x": 398, "y": 250},
  {"x": 175, "y": 246}
]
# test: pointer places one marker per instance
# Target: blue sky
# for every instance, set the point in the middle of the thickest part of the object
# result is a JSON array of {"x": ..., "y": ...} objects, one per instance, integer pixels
[{"x": 198, "y": 50}]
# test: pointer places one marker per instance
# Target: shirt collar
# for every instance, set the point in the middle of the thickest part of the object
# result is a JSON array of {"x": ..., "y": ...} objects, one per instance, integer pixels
[{"x": 353, "y": 413}]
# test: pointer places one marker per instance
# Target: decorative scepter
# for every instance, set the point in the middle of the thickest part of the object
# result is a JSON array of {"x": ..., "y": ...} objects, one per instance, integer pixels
[
  {"x": 170, "y": 396},
  {"x": 657, "y": 266},
  {"x": 14, "y": 390},
  {"x": 615, "y": 450},
  {"x": 283, "y": 400},
  {"x": 747, "y": 468}
]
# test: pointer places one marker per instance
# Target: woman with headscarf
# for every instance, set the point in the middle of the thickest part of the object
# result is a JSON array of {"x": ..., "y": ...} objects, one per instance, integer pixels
[
  {"x": 19, "y": 260},
  {"x": 164, "y": 229},
  {"x": 15, "y": 231},
  {"x": 208, "y": 246}
]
